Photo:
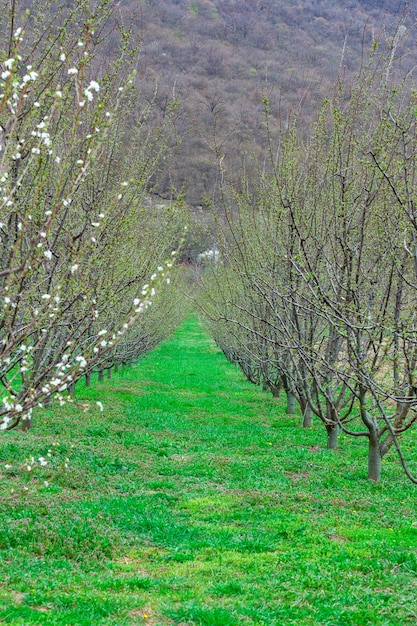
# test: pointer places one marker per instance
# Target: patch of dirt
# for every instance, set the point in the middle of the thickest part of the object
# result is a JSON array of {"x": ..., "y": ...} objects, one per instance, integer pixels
[
  {"x": 363, "y": 505},
  {"x": 338, "y": 538},
  {"x": 297, "y": 476},
  {"x": 340, "y": 503},
  {"x": 182, "y": 458},
  {"x": 17, "y": 596},
  {"x": 146, "y": 553},
  {"x": 146, "y": 614},
  {"x": 129, "y": 390},
  {"x": 221, "y": 461}
]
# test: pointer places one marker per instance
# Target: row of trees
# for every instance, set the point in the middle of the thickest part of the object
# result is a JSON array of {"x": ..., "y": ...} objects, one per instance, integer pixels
[
  {"x": 317, "y": 288},
  {"x": 82, "y": 257}
]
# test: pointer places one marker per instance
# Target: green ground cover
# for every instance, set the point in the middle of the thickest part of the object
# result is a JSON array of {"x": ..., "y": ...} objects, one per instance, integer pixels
[{"x": 194, "y": 499}]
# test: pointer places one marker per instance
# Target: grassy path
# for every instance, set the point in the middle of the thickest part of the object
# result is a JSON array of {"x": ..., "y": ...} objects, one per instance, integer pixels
[{"x": 193, "y": 499}]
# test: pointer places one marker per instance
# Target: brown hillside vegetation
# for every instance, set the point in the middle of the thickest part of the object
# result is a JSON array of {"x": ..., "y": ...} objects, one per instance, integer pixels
[
  {"x": 217, "y": 59},
  {"x": 221, "y": 56}
]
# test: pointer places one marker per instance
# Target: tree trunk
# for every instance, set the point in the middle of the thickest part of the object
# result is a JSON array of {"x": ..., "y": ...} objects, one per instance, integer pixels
[
  {"x": 374, "y": 460},
  {"x": 100, "y": 375},
  {"x": 290, "y": 403},
  {"x": 276, "y": 390},
  {"x": 332, "y": 437},
  {"x": 88, "y": 379},
  {"x": 109, "y": 373},
  {"x": 71, "y": 388},
  {"x": 116, "y": 367},
  {"x": 307, "y": 417},
  {"x": 26, "y": 423}
]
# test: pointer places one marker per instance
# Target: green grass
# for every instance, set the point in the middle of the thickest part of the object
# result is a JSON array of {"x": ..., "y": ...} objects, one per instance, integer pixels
[{"x": 194, "y": 499}]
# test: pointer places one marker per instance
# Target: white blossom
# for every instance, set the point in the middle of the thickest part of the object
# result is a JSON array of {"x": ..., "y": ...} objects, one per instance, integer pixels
[
  {"x": 82, "y": 361},
  {"x": 32, "y": 76}
]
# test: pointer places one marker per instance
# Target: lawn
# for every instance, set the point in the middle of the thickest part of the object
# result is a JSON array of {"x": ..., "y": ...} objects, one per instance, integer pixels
[{"x": 194, "y": 499}]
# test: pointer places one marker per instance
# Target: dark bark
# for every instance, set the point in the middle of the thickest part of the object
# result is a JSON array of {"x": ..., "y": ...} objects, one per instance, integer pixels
[
  {"x": 100, "y": 375},
  {"x": 332, "y": 436},
  {"x": 307, "y": 417},
  {"x": 275, "y": 390},
  {"x": 88, "y": 379},
  {"x": 27, "y": 423},
  {"x": 374, "y": 459},
  {"x": 290, "y": 403}
]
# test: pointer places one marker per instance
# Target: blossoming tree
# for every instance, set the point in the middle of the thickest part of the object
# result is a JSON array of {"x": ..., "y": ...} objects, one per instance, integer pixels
[{"x": 75, "y": 272}]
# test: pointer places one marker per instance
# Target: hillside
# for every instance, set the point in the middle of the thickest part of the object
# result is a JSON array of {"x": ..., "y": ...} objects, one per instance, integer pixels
[
  {"x": 217, "y": 59},
  {"x": 221, "y": 56}
]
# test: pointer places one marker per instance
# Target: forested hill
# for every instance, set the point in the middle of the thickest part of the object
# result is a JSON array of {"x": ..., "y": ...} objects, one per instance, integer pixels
[
  {"x": 221, "y": 56},
  {"x": 219, "y": 60}
]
